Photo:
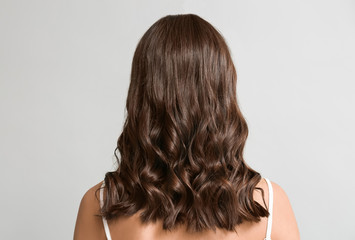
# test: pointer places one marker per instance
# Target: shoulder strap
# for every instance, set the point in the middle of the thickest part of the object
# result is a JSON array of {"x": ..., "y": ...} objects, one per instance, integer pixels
[
  {"x": 271, "y": 203},
  {"x": 107, "y": 230}
]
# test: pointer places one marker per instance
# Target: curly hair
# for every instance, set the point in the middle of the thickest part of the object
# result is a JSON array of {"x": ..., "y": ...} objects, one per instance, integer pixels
[{"x": 181, "y": 147}]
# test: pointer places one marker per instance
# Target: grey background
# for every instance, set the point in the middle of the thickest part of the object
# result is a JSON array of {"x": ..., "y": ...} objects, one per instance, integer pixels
[{"x": 64, "y": 75}]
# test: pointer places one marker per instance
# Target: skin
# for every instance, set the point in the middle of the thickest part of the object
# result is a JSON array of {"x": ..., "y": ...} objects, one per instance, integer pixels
[{"x": 90, "y": 227}]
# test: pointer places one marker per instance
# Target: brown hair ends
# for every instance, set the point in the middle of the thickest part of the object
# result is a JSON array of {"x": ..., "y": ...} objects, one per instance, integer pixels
[{"x": 181, "y": 148}]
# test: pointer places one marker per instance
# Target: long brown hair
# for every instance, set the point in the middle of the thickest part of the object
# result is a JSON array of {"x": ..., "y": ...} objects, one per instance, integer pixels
[{"x": 181, "y": 148}]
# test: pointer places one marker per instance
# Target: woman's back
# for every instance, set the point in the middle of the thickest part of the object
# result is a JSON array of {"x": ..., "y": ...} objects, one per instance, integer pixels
[{"x": 284, "y": 226}]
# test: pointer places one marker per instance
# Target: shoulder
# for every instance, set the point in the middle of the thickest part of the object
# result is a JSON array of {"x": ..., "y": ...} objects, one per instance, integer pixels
[
  {"x": 91, "y": 197},
  {"x": 284, "y": 225},
  {"x": 88, "y": 223}
]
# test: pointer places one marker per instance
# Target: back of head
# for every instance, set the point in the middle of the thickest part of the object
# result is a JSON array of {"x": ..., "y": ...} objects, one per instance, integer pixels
[{"x": 181, "y": 148}]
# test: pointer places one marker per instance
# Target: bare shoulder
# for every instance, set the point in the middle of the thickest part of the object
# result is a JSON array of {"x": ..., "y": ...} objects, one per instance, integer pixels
[
  {"x": 284, "y": 220},
  {"x": 284, "y": 224},
  {"x": 88, "y": 225}
]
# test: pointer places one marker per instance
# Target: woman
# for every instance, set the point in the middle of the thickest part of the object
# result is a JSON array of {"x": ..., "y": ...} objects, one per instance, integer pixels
[{"x": 181, "y": 172}]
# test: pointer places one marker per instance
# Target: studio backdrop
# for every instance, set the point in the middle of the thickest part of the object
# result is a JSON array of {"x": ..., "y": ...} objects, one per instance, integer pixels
[{"x": 64, "y": 76}]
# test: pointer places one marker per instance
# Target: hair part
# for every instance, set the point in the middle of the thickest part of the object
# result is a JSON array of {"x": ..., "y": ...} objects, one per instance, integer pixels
[{"x": 181, "y": 148}]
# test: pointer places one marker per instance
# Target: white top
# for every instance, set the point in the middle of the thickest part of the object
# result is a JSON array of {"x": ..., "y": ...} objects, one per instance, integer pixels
[
  {"x": 269, "y": 221},
  {"x": 271, "y": 204},
  {"x": 107, "y": 230}
]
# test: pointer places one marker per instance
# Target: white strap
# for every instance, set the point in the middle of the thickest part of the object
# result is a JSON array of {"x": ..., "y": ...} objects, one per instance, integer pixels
[
  {"x": 271, "y": 203},
  {"x": 107, "y": 230}
]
